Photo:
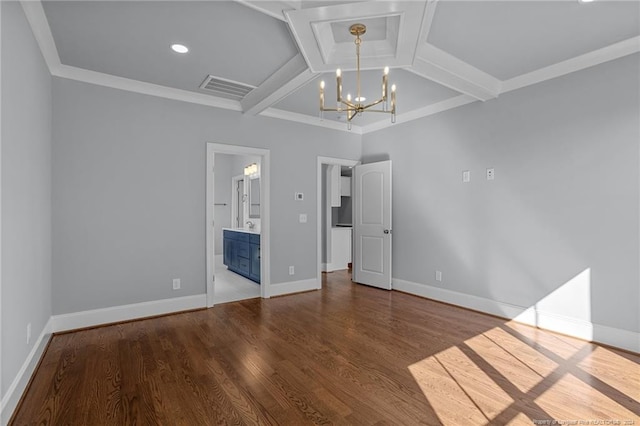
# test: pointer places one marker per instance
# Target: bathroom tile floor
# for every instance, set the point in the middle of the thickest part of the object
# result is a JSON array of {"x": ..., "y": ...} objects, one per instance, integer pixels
[{"x": 231, "y": 287}]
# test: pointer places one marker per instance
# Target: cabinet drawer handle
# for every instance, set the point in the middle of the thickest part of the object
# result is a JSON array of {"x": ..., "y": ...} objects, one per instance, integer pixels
[{"x": 387, "y": 231}]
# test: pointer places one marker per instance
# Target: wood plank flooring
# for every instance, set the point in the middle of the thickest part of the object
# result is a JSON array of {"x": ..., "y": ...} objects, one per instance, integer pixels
[{"x": 347, "y": 354}]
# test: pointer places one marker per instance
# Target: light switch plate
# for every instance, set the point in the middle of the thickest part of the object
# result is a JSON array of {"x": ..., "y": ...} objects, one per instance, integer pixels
[
  {"x": 466, "y": 176},
  {"x": 303, "y": 218},
  {"x": 299, "y": 196}
]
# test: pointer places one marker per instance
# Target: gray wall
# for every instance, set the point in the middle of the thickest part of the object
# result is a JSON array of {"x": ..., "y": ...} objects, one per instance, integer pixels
[
  {"x": 129, "y": 193},
  {"x": 565, "y": 198},
  {"x": 26, "y": 191}
]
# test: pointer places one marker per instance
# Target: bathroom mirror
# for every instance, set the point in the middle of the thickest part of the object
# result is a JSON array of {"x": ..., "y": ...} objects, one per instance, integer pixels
[{"x": 254, "y": 197}]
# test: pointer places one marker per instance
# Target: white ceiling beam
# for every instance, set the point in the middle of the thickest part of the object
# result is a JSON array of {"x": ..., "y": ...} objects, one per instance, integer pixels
[
  {"x": 272, "y": 8},
  {"x": 281, "y": 83},
  {"x": 142, "y": 87},
  {"x": 427, "y": 21},
  {"x": 596, "y": 57},
  {"x": 34, "y": 12},
  {"x": 447, "y": 70}
]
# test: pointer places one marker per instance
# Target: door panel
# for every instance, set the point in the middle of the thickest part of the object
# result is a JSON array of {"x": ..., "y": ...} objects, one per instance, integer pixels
[
  {"x": 372, "y": 224},
  {"x": 372, "y": 209},
  {"x": 372, "y": 254}
]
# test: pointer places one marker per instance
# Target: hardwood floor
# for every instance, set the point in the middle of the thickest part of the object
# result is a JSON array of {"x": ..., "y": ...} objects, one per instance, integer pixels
[{"x": 347, "y": 354}]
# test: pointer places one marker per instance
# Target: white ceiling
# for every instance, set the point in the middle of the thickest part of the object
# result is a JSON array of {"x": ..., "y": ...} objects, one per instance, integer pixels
[{"x": 442, "y": 54}]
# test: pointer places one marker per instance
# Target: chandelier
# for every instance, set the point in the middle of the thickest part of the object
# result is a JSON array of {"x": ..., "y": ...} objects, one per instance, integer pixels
[{"x": 357, "y": 106}]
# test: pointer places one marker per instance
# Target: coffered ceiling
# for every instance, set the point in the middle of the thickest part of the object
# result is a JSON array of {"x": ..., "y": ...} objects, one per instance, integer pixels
[{"x": 442, "y": 54}]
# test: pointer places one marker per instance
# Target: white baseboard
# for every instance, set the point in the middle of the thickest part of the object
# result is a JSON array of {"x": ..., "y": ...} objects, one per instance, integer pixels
[
  {"x": 330, "y": 267},
  {"x": 586, "y": 330},
  {"x": 113, "y": 314},
  {"x": 616, "y": 337},
  {"x": 16, "y": 389},
  {"x": 293, "y": 287}
]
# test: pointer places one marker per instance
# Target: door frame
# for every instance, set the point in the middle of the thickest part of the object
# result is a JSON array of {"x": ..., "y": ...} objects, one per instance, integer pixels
[
  {"x": 319, "y": 188},
  {"x": 265, "y": 222}
]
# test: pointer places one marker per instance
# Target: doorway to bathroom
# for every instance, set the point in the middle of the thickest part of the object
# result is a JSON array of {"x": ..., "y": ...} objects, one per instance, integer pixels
[{"x": 237, "y": 215}]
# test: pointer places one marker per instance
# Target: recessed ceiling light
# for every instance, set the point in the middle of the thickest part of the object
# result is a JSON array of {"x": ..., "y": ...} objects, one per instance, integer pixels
[
  {"x": 585, "y": 1},
  {"x": 179, "y": 48}
]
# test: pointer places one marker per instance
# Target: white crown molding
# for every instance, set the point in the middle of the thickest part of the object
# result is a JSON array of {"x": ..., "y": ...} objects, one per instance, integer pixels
[
  {"x": 415, "y": 114},
  {"x": 590, "y": 59},
  {"x": 308, "y": 119},
  {"x": 581, "y": 329},
  {"x": 289, "y": 78},
  {"x": 34, "y": 12},
  {"x": 429, "y": 62},
  {"x": 445, "y": 69}
]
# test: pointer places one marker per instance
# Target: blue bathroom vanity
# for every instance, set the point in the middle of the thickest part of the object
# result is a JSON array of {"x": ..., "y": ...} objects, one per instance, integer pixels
[{"x": 242, "y": 252}]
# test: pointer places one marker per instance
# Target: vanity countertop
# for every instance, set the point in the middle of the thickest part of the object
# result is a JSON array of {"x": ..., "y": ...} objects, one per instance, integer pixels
[{"x": 247, "y": 231}]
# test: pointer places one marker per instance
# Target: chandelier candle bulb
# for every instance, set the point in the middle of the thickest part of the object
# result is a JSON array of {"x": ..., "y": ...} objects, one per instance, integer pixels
[
  {"x": 385, "y": 83},
  {"x": 393, "y": 103},
  {"x": 321, "y": 95},
  {"x": 393, "y": 98}
]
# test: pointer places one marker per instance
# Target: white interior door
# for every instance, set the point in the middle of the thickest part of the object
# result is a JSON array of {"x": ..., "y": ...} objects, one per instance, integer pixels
[{"x": 372, "y": 224}]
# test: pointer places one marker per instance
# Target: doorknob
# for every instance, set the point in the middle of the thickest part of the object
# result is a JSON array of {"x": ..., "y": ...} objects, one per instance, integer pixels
[{"x": 387, "y": 231}]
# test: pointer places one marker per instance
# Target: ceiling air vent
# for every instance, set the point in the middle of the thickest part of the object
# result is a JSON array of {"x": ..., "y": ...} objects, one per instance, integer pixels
[{"x": 225, "y": 88}]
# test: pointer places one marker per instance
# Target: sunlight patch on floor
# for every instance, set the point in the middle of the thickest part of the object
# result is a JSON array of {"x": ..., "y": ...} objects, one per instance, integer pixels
[
  {"x": 525, "y": 354},
  {"x": 569, "y": 392},
  {"x": 542, "y": 340},
  {"x": 626, "y": 373},
  {"x": 519, "y": 420},
  {"x": 459, "y": 391},
  {"x": 506, "y": 363}
]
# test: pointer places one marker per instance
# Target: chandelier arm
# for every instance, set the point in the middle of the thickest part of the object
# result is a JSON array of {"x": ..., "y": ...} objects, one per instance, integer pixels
[
  {"x": 380, "y": 110},
  {"x": 351, "y": 114},
  {"x": 349, "y": 104},
  {"x": 379, "y": 101}
]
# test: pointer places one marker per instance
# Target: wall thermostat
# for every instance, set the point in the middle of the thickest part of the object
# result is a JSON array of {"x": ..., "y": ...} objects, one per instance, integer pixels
[{"x": 299, "y": 196}]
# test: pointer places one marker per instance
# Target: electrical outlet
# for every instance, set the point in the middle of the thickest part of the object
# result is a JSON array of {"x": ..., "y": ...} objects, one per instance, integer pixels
[
  {"x": 303, "y": 218},
  {"x": 292, "y": 270},
  {"x": 28, "y": 333},
  {"x": 176, "y": 283},
  {"x": 491, "y": 174},
  {"x": 438, "y": 275},
  {"x": 466, "y": 176}
]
